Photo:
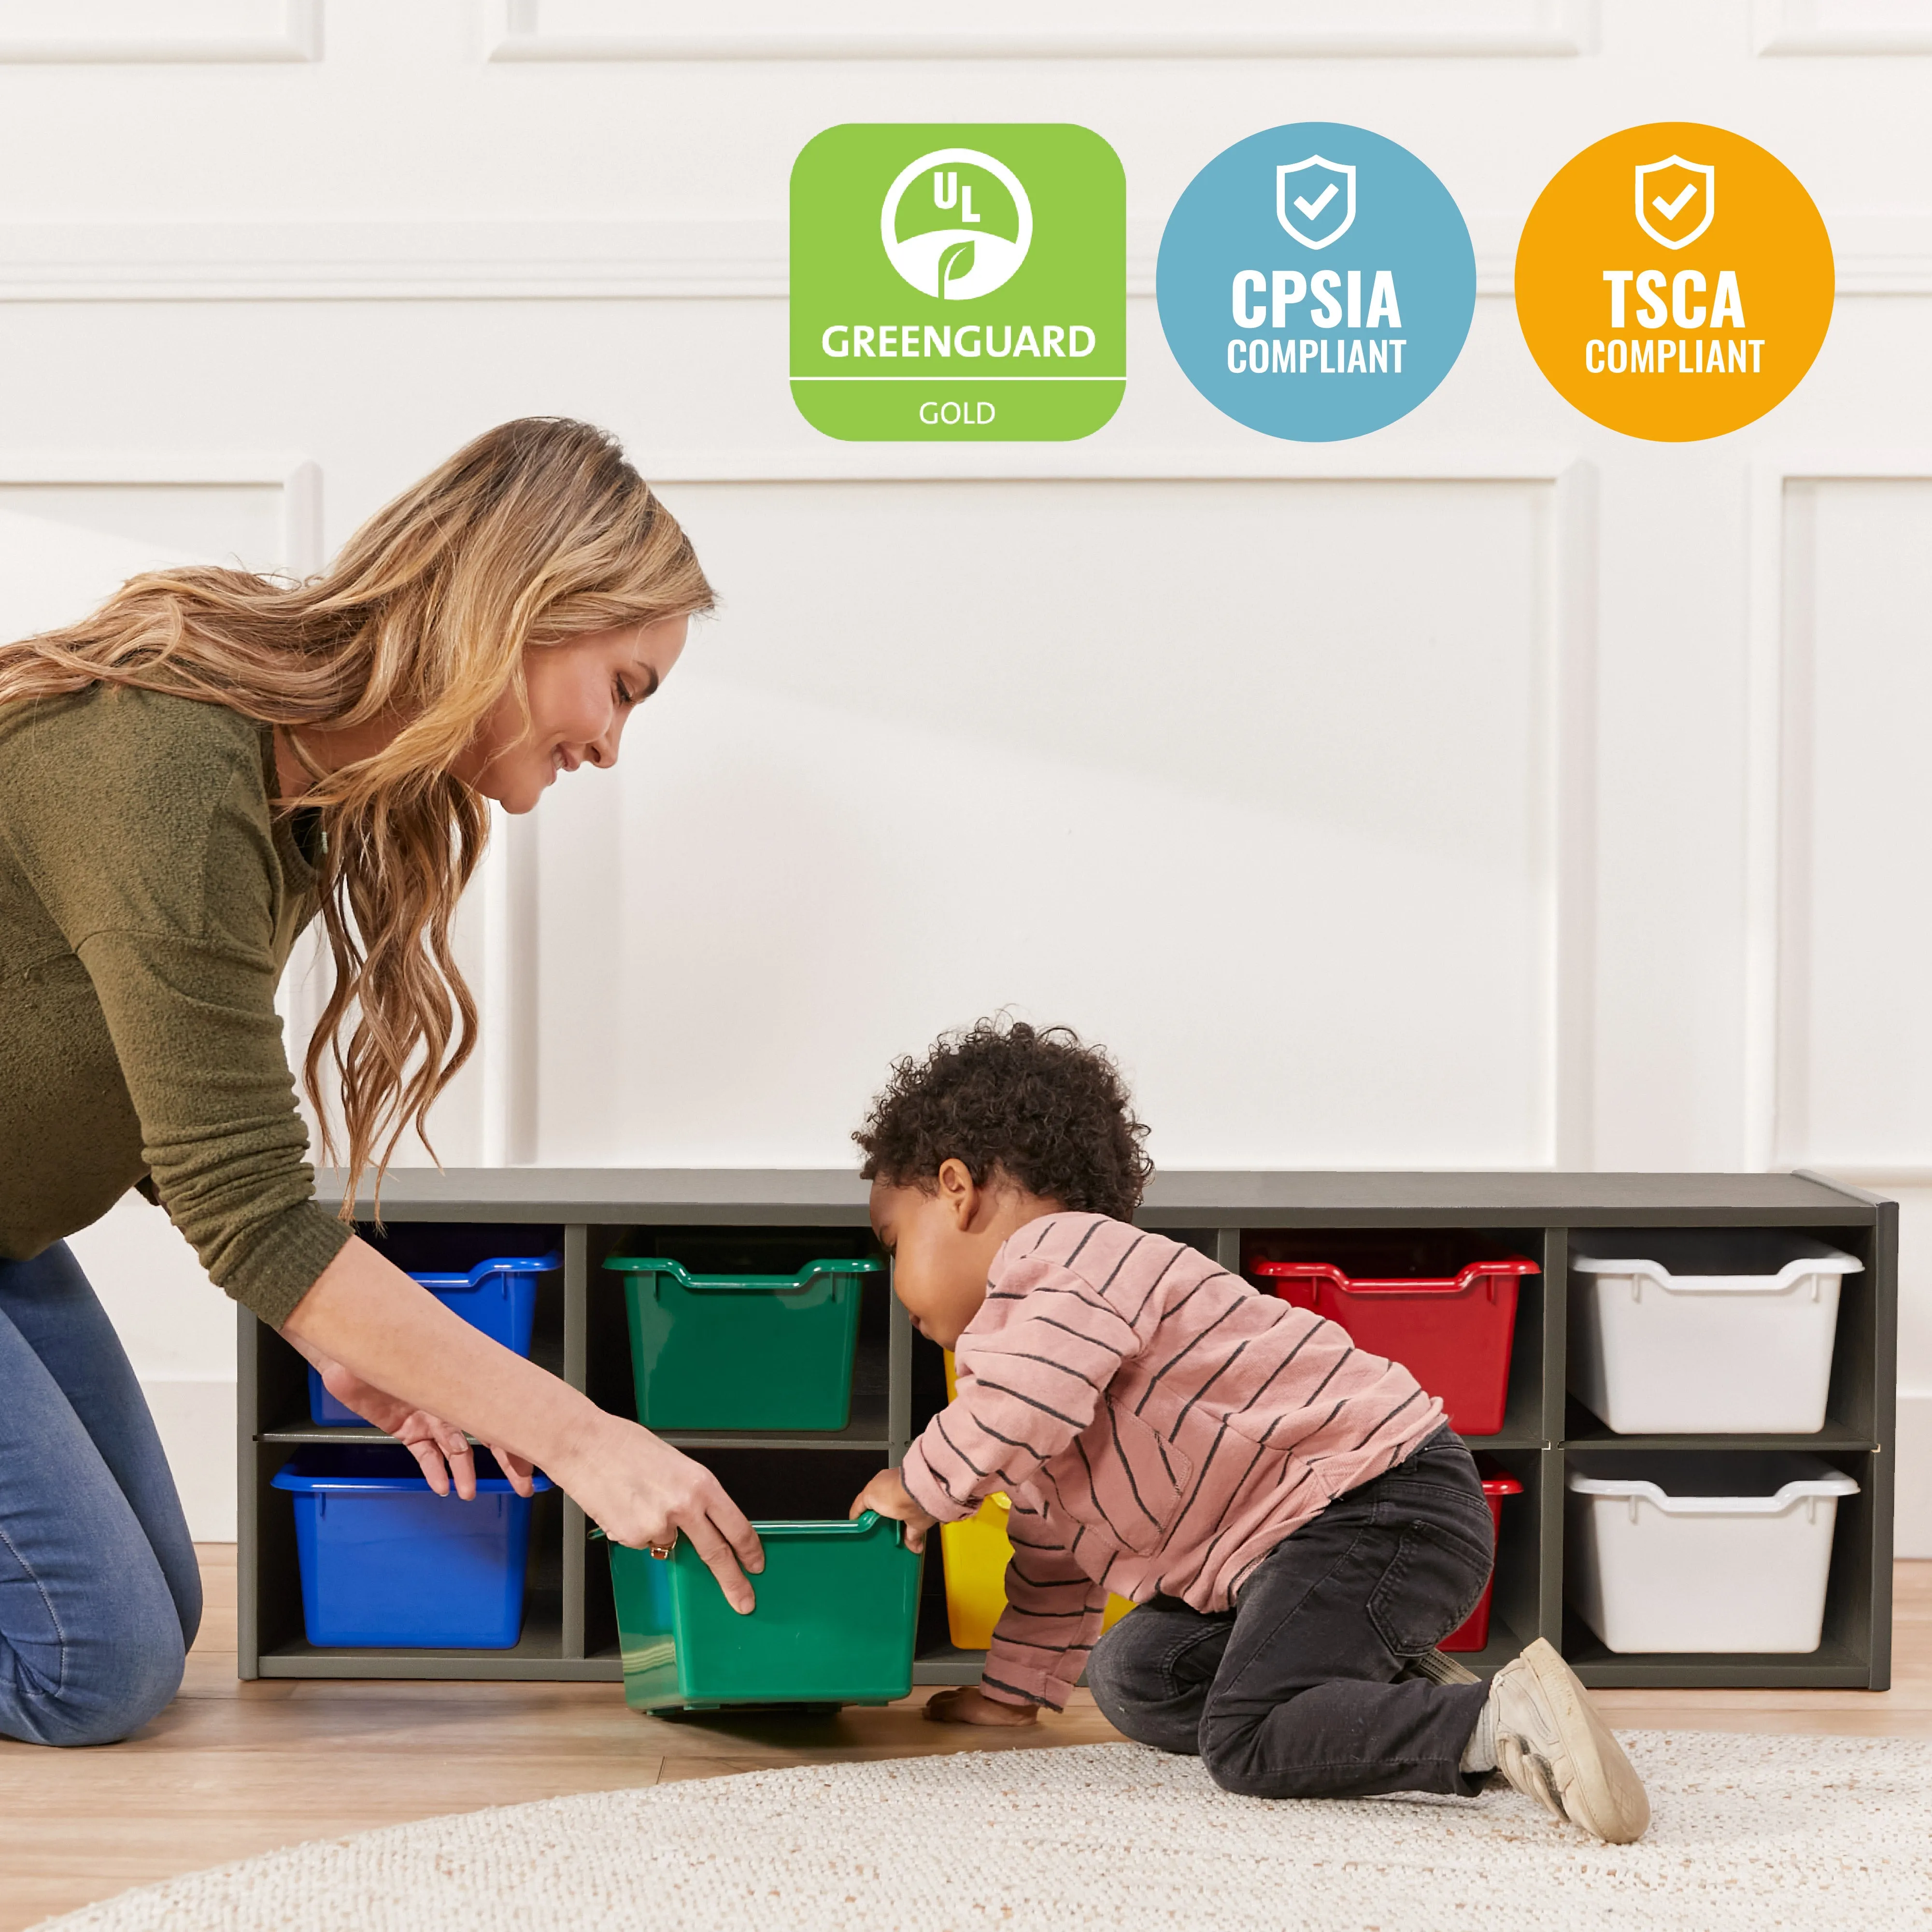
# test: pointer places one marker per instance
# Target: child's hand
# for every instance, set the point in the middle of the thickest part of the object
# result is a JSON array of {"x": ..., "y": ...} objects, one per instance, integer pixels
[
  {"x": 968, "y": 1705},
  {"x": 890, "y": 1497}
]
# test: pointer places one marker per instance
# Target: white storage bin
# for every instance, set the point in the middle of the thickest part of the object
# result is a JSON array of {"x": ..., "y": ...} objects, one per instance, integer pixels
[
  {"x": 1698, "y": 1551},
  {"x": 1704, "y": 1331}
]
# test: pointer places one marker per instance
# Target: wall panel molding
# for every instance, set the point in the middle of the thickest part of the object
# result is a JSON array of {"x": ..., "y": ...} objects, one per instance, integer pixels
[
  {"x": 1836, "y": 27},
  {"x": 1568, "y": 708},
  {"x": 508, "y": 1009},
  {"x": 1878, "y": 254},
  {"x": 377, "y": 261},
  {"x": 64, "y": 32},
  {"x": 1764, "y": 762},
  {"x": 296, "y": 477},
  {"x": 1573, "y": 718},
  {"x": 1774, "y": 1134},
  {"x": 1249, "y": 461},
  {"x": 595, "y": 30}
]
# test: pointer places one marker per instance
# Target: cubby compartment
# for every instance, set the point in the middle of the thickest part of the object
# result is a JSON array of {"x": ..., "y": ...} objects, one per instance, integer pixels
[
  {"x": 525, "y": 1310},
  {"x": 1680, "y": 1551},
  {"x": 1718, "y": 1331},
  {"x": 387, "y": 1564},
  {"x": 1365, "y": 1226},
  {"x": 274, "y": 1624},
  {"x": 1854, "y": 1630},
  {"x": 497, "y": 1294},
  {"x": 763, "y": 1255},
  {"x": 1462, "y": 1311},
  {"x": 743, "y": 1350}
]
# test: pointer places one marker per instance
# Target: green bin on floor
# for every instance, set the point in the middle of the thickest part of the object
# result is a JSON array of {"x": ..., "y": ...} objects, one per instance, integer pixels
[
  {"x": 838, "y": 1609},
  {"x": 743, "y": 1351}
]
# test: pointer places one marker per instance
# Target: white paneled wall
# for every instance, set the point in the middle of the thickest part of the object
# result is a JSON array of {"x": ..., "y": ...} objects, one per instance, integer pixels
[
  {"x": 68, "y": 31},
  {"x": 1494, "y": 791},
  {"x": 1855, "y": 1045}
]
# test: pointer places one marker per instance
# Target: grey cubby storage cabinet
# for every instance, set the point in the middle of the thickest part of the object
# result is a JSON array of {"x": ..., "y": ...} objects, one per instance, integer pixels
[{"x": 775, "y": 1220}]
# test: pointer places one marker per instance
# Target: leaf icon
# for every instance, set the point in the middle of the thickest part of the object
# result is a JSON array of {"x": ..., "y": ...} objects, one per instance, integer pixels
[{"x": 955, "y": 264}]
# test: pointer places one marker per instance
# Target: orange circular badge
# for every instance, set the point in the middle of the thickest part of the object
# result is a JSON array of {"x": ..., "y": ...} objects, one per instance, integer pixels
[{"x": 1674, "y": 281}]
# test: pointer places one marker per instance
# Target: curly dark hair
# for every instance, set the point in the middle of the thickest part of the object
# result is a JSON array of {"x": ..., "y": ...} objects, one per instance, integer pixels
[{"x": 1051, "y": 1112}]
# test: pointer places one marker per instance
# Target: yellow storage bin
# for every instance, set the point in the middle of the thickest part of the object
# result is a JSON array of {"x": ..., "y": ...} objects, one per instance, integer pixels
[{"x": 975, "y": 1552}]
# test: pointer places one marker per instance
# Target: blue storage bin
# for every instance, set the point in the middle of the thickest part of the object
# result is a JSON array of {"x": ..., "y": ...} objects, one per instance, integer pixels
[
  {"x": 499, "y": 1296},
  {"x": 385, "y": 1561}
]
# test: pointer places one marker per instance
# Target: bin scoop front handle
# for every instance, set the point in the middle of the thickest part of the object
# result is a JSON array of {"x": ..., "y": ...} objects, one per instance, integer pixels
[
  {"x": 660, "y": 1268},
  {"x": 442, "y": 1281},
  {"x": 860, "y": 1525},
  {"x": 1455, "y": 1284}
]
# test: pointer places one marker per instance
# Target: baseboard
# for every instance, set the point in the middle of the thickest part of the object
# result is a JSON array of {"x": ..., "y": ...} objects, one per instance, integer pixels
[{"x": 196, "y": 1422}]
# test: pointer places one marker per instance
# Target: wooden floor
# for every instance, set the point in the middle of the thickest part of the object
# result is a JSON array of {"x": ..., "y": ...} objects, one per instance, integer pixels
[{"x": 231, "y": 1769}]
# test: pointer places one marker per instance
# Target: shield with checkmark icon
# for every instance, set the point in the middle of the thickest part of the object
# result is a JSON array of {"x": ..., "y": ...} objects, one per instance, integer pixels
[
  {"x": 1676, "y": 199},
  {"x": 1315, "y": 199}
]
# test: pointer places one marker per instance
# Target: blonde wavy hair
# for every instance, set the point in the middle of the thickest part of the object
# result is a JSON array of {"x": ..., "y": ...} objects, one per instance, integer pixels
[{"x": 537, "y": 532}]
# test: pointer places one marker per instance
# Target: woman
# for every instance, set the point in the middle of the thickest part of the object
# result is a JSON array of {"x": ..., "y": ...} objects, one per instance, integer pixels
[{"x": 186, "y": 778}]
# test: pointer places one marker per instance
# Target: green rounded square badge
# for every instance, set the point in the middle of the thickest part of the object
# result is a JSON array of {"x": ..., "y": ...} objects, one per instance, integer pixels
[{"x": 959, "y": 284}]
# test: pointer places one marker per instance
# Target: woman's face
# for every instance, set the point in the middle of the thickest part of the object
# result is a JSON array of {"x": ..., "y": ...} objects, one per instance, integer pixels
[{"x": 581, "y": 694}]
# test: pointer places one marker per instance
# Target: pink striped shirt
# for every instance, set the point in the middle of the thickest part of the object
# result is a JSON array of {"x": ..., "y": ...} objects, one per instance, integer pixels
[{"x": 1159, "y": 1425}]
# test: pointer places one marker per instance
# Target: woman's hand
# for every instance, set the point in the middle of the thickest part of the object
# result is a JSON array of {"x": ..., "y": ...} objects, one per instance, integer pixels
[
  {"x": 887, "y": 1494},
  {"x": 642, "y": 1492},
  {"x": 970, "y": 1704},
  {"x": 442, "y": 1450}
]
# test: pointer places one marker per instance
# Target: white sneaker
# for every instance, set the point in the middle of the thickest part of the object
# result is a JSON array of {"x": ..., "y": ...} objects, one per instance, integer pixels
[{"x": 1551, "y": 1746}]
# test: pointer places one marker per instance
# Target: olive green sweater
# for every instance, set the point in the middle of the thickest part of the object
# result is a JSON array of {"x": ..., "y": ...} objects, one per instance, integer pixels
[{"x": 148, "y": 901}]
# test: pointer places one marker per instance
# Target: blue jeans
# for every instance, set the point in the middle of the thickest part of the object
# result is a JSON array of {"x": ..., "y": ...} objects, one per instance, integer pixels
[
  {"x": 1294, "y": 1693},
  {"x": 100, "y": 1594}
]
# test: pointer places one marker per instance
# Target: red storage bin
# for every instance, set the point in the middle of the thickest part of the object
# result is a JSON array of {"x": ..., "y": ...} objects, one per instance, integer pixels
[
  {"x": 1474, "y": 1633},
  {"x": 1453, "y": 1333}
]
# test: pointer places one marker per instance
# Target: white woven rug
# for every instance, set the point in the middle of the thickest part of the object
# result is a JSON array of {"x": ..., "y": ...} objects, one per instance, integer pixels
[{"x": 1751, "y": 1834}]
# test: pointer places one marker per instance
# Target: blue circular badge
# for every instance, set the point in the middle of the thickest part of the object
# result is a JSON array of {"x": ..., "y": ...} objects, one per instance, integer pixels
[{"x": 1315, "y": 281}]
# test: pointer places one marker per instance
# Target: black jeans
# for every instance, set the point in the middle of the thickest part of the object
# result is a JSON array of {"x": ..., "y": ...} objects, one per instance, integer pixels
[{"x": 1292, "y": 1694}]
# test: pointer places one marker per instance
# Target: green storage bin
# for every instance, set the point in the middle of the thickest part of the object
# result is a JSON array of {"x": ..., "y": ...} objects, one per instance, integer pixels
[
  {"x": 838, "y": 1609},
  {"x": 743, "y": 1351}
]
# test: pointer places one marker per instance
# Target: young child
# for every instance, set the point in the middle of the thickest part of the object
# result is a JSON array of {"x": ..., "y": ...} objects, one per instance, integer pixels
[{"x": 1296, "y": 1522}]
